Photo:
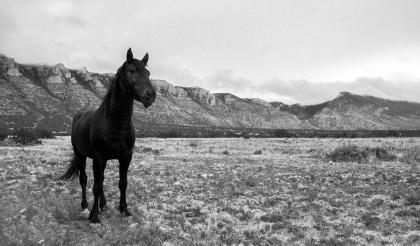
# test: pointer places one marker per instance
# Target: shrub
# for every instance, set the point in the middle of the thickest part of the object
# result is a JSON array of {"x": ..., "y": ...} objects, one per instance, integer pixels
[
  {"x": 151, "y": 150},
  {"x": 258, "y": 152},
  {"x": 250, "y": 181},
  {"x": 3, "y": 134},
  {"x": 359, "y": 154},
  {"x": 408, "y": 213},
  {"x": 282, "y": 133},
  {"x": 25, "y": 136},
  {"x": 170, "y": 134},
  {"x": 193, "y": 144},
  {"x": 370, "y": 220},
  {"x": 411, "y": 156},
  {"x": 413, "y": 198},
  {"x": 225, "y": 152},
  {"x": 44, "y": 133},
  {"x": 381, "y": 153},
  {"x": 147, "y": 149},
  {"x": 273, "y": 217}
]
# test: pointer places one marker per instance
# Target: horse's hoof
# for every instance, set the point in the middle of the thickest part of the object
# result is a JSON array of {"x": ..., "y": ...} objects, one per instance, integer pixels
[
  {"x": 93, "y": 217},
  {"x": 94, "y": 220},
  {"x": 125, "y": 212}
]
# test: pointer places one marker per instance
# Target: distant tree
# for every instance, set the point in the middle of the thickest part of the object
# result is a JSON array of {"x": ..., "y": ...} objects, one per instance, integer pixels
[
  {"x": 281, "y": 133},
  {"x": 3, "y": 133},
  {"x": 25, "y": 136},
  {"x": 44, "y": 133}
]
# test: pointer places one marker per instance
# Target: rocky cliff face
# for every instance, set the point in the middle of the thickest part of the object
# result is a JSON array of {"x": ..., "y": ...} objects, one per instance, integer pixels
[
  {"x": 350, "y": 111},
  {"x": 48, "y": 96}
]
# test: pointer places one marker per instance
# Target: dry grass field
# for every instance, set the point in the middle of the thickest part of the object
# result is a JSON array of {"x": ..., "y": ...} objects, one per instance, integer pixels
[{"x": 217, "y": 192}]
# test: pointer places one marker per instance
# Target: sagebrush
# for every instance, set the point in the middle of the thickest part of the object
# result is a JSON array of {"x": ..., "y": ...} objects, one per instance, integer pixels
[{"x": 355, "y": 153}]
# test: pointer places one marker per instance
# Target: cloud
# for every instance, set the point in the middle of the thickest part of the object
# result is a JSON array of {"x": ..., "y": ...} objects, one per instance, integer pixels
[
  {"x": 70, "y": 21},
  {"x": 307, "y": 92},
  {"x": 175, "y": 73},
  {"x": 7, "y": 21},
  {"x": 225, "y": 80}
]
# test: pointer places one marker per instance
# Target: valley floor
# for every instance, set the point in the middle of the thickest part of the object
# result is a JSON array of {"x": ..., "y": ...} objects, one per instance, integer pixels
[{"x": 215, "y": 192}]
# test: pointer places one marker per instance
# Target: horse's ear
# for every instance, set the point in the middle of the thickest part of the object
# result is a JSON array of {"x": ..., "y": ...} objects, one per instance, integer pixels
[
  {"x": 129, "y": 55},
  {"x": 145, "y": 59}
]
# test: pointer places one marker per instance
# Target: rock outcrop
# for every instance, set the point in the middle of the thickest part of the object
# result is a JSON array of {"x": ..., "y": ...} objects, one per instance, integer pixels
[
  {"x": 200, "y": 95},
  {"x": 9, "y": 66}
]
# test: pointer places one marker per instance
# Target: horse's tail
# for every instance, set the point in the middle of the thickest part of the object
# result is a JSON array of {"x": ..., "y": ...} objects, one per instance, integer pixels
[
  {"x": 75, "y": 164},
  {"x": 73, "y": 169}
]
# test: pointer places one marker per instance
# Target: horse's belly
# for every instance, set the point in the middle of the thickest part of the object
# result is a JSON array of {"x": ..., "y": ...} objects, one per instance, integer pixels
[
  {"x": 81, "y": 143},
  {"x": 114, "y": 150}
]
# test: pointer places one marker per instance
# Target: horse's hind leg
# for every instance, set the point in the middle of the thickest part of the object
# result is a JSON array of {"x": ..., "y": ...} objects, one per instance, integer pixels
[
  {"x": 124, "y": 164},
  {"x": 102, "y": 200},
  {"x": 83, "y": 179}
]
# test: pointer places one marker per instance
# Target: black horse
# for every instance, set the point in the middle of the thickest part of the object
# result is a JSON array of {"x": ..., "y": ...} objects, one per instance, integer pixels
[{"x": 108, "y": 132}]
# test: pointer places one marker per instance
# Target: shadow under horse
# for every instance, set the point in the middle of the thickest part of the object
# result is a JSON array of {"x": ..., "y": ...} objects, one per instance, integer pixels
[{"x": 108, "y": 132}]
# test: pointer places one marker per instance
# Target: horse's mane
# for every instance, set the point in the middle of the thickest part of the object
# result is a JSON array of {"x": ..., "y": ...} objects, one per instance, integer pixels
[{"x": 109, "y": 98}]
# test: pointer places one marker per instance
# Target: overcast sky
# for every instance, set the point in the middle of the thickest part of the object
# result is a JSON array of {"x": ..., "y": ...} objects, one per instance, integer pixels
[{"x": 290, "y": 51}]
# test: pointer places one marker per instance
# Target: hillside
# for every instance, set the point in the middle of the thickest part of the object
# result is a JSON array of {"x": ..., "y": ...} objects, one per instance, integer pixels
[{"x": 48, "y": 96}]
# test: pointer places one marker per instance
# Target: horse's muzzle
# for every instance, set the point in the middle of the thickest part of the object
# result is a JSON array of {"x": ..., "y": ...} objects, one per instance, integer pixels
[
  {"x": 147, "y": 99},
  {"x": 148, "y": 103}
]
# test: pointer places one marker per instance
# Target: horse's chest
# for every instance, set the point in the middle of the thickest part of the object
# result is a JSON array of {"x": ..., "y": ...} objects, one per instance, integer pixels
[{"x": 116, "y": 146}]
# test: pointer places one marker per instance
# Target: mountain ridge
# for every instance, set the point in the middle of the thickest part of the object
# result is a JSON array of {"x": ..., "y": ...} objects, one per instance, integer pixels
[{"x": 36, "y": 95}]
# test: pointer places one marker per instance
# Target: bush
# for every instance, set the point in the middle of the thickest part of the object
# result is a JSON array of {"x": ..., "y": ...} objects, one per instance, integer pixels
[
  {"x": 170, "y": 134},
  {"x": 147, "y": 149},
  {"x": 258, "y": 152},
  {"x": 282, "y": 133},
  {"x": 273, "y": 218},
  {"x": 151, "y": 150},
  {"x": 225, "y": 152},
  {"x": 3, "y": 133},
  {"x": 348, "y": 153},
  {"x": 25, "y": 136},
  {"x": 411, "y": 156},
  {"x": 413, "y": 198},
  {"x": 193, "y": 144},
  {"x": 44, "y": 133},
  {"x": 250, "y": 181}
]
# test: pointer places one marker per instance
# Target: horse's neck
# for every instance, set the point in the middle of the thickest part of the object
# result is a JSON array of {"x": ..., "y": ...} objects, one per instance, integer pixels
[{"x": 118, "y": 108}]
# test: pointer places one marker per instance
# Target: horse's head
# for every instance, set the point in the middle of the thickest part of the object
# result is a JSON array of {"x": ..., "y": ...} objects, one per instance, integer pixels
[{"x": 137, "y": 79}]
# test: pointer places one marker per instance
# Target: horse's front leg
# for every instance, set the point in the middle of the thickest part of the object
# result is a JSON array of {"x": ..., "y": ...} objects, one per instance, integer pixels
[
  {"x": 124, "y": 164},
  {"x": 98, "y": 173}
]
